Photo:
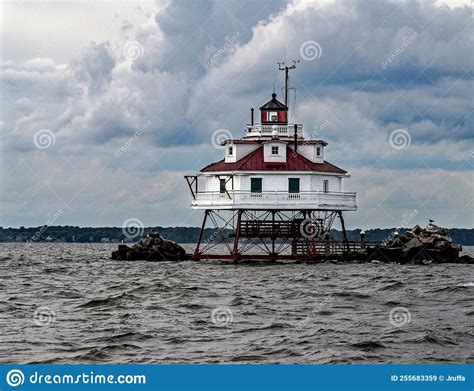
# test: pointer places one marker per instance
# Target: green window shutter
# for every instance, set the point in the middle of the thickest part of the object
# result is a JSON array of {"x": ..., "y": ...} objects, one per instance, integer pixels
[
  {"x": 222, "y": 185},
  {"x": 256, "y": 185},
  {"x": 293, "y": 185}
]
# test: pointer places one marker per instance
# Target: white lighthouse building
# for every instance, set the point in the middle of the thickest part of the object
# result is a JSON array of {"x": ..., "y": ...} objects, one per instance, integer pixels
[{"x": 273, "y": 195}]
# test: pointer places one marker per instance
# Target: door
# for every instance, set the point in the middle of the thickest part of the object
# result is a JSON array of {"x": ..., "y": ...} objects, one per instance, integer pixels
[
  {"x": 326, "y": 186},
  {"x": 221, "y": 186},
  {"x": 255, "y": 185},
  {"x": 293, "y": 185}
]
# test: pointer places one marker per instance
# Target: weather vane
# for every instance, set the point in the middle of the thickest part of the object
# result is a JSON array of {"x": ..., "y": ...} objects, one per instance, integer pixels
[{"x": 283, "y": 67}]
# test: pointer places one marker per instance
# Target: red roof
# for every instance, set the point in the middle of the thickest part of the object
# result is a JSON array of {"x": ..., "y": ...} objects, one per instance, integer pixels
[{"x": 254, "y": 162}]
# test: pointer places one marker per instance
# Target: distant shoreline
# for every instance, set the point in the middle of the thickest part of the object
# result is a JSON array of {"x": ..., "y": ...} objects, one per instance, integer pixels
[{"x": 185, "y": 235}]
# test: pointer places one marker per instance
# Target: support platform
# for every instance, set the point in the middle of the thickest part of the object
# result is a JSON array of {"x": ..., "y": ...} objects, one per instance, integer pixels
[{"x": 271, "y": 235}]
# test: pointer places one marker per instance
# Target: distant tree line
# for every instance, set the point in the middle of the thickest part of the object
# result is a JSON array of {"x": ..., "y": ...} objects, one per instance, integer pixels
[{"x": 68, "y": 233}]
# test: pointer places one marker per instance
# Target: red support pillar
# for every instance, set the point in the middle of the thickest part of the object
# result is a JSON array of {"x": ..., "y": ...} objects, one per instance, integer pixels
[{"x": 314, "y": 231}]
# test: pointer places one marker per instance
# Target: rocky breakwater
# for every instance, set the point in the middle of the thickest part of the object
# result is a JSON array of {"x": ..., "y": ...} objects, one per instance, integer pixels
[
  {"x": 151, "y": 248},
  {"x": 420, "y": 245}
]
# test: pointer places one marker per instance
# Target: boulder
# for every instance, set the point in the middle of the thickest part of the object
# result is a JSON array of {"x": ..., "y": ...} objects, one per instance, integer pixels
[
  {"x": 465, "y": 259},
  {"x": 420, "y": 246},
  {"x": 412, "y": 243},
  {"x": 426, "y": 240},
  {"x": 151, "y": 248},
  {"x": 443, "y": 238},
  {"x": 441, "y": 245},
  {"x": 395, "y": 243}
]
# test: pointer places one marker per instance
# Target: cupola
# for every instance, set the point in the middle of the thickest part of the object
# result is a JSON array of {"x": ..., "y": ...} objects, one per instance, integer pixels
[{"x": 274, "y": 112}]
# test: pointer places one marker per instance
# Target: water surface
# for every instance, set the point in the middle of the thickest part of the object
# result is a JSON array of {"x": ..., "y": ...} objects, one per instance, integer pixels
[{"x": 69, "y": 303}]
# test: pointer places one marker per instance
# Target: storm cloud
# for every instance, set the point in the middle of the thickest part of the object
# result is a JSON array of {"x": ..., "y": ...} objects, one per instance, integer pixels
[{"x": 127, "y": 117}]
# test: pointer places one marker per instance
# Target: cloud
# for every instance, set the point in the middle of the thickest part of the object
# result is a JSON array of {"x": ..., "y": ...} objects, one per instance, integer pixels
[{"x": 200, "y": 66}]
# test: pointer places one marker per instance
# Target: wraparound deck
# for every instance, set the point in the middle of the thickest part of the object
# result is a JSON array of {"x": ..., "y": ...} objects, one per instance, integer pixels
[{"x": 274, "y": 200}]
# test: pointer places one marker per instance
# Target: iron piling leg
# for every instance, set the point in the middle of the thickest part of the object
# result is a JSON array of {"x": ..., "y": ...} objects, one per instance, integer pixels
[
  {"x": 273, "y": 232},
  {"x": 344, "y": 233},
  {"x": 235, "y": 251},
  {"x": 196, "y": 252}
]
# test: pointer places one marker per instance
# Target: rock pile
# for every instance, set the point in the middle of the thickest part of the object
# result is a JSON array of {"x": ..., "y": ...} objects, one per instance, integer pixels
[
  {"x": 421, "y": 245},
  {"x": 151, "y": 248}
]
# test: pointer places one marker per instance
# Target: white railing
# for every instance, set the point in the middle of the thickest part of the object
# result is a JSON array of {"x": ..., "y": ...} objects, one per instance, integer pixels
[
  {"x": 275, "y": 200},
  {"x": 259, "y": 130}
]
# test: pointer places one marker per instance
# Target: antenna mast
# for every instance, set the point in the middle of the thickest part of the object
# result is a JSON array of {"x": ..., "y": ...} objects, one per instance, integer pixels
[{"x": 283, "y": 67}]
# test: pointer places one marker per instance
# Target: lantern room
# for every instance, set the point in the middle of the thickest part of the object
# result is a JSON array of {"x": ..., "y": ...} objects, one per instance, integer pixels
[{"x": 274, "y": 112}]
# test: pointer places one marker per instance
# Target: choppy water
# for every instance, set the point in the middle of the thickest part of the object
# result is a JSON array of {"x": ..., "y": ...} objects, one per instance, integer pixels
[{"x": 93, "y": 309}]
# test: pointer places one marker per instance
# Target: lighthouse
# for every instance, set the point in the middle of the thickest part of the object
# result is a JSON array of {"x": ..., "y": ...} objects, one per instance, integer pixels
[{"x": 273, "y": 195}]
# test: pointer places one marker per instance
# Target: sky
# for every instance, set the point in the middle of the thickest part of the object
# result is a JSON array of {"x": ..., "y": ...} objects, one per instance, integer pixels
[{"x": 105, "y": 106}]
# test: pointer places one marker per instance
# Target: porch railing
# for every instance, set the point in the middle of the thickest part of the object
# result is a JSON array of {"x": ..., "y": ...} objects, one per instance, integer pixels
[
  {"x": 275, "y": 198},
  {"x": 266, "y": 130}
]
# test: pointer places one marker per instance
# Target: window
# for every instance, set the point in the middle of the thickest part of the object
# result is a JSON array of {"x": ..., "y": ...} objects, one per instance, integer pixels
[
  {"x": 318, "y": 151},
  {"x": 255, "y": 185},
  {"x": 231, "y": 150},
  {"x": 221, "y": 185},
  {"x": 293, "y": 185},
  {"x": 326, "y": 186},
  {"x": 272, "y": 116},
  {"x": 275, "y": 150}
]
